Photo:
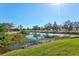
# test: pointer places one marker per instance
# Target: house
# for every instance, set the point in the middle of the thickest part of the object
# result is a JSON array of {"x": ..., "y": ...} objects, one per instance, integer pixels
[{"x": 13, "y": 29}]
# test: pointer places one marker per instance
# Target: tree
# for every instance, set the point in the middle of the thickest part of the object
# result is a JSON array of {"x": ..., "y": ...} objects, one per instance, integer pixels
[
  {"x": 48, "y": 26},
  {"x": 20, "y": 27},
  {"x": 55, "y": 26},
  {"x": 68, "y": 25},
  {"x": 76, "y": 25},
  {"x": 1, "y": 28},
  {"x": 36, "y": 27},
  {"x": 5, "y": 27},
  {"x": 41, "y": 28},
  {"x": 28, "y": 28}
]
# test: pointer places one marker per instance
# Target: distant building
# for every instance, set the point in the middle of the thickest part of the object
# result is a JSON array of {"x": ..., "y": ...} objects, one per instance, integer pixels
[{"x": 13, "y": 29}]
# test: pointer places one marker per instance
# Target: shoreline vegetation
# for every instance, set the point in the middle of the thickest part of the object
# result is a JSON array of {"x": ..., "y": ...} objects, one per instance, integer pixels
[{"x": 66, "y": 47}]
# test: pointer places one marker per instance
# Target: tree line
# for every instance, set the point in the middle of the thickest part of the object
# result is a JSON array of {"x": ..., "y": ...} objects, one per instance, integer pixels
[{"x": 66, "y": 26}]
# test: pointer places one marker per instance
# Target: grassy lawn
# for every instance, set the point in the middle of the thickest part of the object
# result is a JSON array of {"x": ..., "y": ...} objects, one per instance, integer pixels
[{"x": 66, "y": 47}]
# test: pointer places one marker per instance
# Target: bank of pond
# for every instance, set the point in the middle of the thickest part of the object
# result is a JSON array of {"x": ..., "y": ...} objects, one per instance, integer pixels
[{"x": 38, "y": 38}]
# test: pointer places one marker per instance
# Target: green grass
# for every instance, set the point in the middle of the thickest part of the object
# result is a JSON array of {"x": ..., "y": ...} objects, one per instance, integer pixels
[{"x": 66, "y": 47}]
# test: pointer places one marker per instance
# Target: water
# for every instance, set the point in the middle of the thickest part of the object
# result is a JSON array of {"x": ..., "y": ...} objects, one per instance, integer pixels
[
  {"x": 41, "y": 37},
  {"x": 31, "y": 36}
]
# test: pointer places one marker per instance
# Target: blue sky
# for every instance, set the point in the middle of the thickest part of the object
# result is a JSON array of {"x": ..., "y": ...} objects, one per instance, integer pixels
[{"x": 30, "y": 14}]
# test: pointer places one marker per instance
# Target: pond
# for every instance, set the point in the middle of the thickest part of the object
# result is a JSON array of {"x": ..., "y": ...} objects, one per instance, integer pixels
[{"x": 41, "y": 36}]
